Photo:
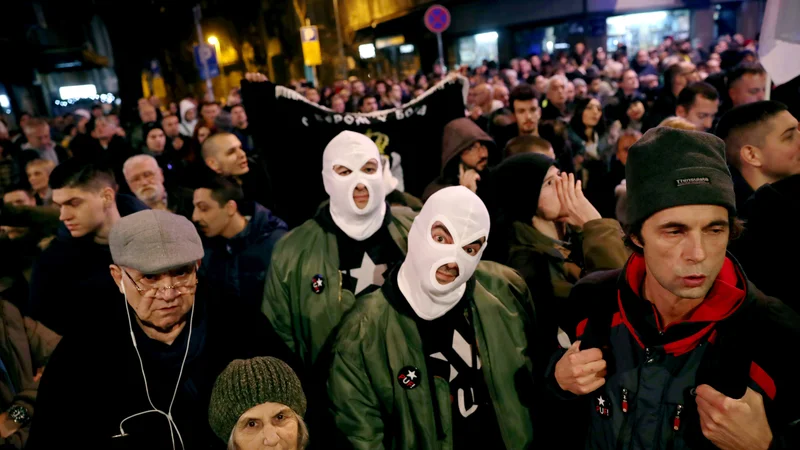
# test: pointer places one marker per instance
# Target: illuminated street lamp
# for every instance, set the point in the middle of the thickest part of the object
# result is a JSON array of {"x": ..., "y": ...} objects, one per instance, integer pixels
[{"x": 215, "y": 42}]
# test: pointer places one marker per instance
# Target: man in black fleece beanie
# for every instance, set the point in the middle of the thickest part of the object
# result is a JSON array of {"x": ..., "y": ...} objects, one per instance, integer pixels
[
  {"x": 680, "y": 333},
  {"x": 669, "y": 167}
]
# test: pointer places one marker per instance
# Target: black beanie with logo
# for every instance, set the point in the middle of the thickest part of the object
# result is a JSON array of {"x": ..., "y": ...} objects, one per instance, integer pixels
[
  {"x": 669, "y": 167},
  {"x": 518, "y": 182}
]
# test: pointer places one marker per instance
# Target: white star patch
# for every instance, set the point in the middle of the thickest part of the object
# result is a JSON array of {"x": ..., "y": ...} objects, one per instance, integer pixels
[
  {"x": 412, "y": 374},
  {"x": 601, "y": 401},
  {"x": 368, "y": 274}
]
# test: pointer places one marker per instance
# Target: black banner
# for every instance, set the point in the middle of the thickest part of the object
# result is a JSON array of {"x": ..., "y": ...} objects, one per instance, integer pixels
[{"x": 293, "y": 133}]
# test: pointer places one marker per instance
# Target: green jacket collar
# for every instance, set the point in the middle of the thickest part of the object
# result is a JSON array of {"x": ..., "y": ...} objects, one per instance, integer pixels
[{"x": 527, "y": 236}]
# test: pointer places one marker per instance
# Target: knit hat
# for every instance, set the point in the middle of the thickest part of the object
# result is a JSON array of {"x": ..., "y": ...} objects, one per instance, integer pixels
[
  {"x": 518, "y": 185},
  {"x": 148, "y": 127},
  {"x": 669, "y": 167},
  {"x": 248, "y": 383}
]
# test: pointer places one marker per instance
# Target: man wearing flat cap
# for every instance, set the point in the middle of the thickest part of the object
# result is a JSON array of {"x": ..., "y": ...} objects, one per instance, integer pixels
[
  {"x": 678, "y": 350},
  {"x": 143, "y": 377}
]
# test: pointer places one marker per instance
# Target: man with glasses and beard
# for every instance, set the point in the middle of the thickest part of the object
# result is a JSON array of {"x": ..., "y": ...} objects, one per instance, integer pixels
[
  {"x": 153, "y": 375},
  {"x": 146, "y": 180}
]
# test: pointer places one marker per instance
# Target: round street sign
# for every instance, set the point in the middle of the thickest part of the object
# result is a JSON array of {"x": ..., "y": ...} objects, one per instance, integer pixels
[{"x": 437, "y": 18}]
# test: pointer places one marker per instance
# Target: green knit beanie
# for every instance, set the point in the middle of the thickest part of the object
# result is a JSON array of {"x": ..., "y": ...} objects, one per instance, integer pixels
[{"x": 248, "y": 383}]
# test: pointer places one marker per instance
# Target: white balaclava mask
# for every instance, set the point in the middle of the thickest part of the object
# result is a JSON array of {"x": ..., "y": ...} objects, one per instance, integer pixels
[
  {"x": 466, "y": 218},
  {"x": 353, "y": 150}
]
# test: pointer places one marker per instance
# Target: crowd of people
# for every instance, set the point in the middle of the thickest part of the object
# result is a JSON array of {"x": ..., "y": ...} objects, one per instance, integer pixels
[{"x": 591, "y": 268}]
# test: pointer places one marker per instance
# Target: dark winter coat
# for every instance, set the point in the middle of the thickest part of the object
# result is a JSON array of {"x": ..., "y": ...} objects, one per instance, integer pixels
[
  {"x": 762, "y": 255},
  {"x": 69, "y": 273},
  {"x": 101, "y": 361},
  {"x": 729, "y": 343},
  {"x": 239, "y": 265}
]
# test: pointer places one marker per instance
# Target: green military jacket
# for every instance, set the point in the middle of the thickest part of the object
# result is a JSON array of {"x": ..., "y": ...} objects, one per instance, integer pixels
[
  {"x": 377, "y": 341},
  {"x": 303, "y": 318}
]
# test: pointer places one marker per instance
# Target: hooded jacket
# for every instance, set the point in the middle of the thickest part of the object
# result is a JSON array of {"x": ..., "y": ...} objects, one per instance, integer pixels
[
  {"x": 305, "y": 319},
  {"x": 770, "y": 205},
  {"x": 220, "y": 333},
  {"x": 459, "y": 135},
  {"x": 186, "y": 127},
  {"x": 239, "y": 265},
  {"x": 71, "y": 277},
  {"x": 380, "y": 338},
  {"x": 729, "y": 343}
]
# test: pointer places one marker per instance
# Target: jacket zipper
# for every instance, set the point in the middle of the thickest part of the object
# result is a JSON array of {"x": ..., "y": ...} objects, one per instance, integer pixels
[
  {"x": 624, "y": 400},
  {"x": 339, "y": 272},
  {"x": 487, "y": 377},
  {"x": 623, "y": 431},
  {"x": 676, "y": 421}
]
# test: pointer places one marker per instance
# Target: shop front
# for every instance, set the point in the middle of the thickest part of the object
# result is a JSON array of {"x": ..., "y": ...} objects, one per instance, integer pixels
[{"x": 645, "y": 31}]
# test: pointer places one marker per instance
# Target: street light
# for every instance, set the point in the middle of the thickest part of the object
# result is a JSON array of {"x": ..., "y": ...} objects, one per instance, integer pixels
[{"x": 215, "y": 42}]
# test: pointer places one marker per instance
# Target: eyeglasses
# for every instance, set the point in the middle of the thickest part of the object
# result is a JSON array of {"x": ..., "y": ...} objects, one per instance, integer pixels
[{"x": 185, "y": 284}]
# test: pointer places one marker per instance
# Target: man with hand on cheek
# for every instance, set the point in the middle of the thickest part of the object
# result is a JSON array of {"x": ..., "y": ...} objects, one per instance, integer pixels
[
  {"x": 466, "y": 151},
  {"x": 440, "y": 356},
  {"x": 677, "y": 349}
]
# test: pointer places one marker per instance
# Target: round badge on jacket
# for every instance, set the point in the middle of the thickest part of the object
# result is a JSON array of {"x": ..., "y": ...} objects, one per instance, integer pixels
[
  {"x": 318, "y": 284},
  {"x": 602, "y": 404},
  {"x": 409, "y": 377}
]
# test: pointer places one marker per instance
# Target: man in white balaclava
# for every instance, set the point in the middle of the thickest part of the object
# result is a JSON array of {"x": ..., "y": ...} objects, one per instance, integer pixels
[
  {"x": 439, "y": 357},
  {"x": 321, "y": 267}
]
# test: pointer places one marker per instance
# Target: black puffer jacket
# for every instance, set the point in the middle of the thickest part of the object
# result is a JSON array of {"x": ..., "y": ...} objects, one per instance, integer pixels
[
  {"x": 758, "y": 250},
  {"x": 734, "y": 340}
]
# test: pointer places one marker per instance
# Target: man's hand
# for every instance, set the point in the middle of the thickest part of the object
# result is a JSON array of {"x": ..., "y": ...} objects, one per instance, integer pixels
[
  {"x": 581, "y": 371},
  {"x": 475, "y": 112},
  {"x": 733, "y": 424},
  {"x": 468, "y": 178},
  {"x": 7, "y": 426},
  {"x": 255, "y": 77},
  {"x": 577, "y": 208},
  {"x": 119, "y": 132}
]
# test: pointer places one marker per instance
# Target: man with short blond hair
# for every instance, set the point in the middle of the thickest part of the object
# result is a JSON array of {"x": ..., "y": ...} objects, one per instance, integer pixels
[{"x": 38, "y": 172}]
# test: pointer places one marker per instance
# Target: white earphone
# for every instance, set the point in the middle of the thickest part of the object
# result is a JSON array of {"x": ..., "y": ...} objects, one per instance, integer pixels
[{"x": 167, "y": 414}]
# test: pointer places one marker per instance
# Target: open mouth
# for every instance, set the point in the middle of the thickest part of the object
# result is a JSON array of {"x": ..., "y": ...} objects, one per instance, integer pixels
[
  {"x": 444, "y": 276},
  {"x": 694, "y": 280}
]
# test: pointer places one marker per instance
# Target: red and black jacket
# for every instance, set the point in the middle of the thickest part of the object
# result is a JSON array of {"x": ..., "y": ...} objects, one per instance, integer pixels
[{"x": 737, "y": 338}]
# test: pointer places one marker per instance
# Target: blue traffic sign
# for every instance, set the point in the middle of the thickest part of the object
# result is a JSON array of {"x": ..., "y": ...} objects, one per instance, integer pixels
[
  {"x": 437, "y": 18},
  {"x": 205, "y": 57}
]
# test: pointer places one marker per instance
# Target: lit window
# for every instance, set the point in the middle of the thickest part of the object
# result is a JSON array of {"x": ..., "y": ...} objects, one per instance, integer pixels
[
  {"x": 486, "y": 37},
  {"x": 407, "y": 48},
  {"x": 366, "y": 51},
  {"x": 78, "y": 91}
]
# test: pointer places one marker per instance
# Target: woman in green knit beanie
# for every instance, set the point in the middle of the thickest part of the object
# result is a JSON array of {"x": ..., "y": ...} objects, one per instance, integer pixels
[{"x": 259, "y": 403}]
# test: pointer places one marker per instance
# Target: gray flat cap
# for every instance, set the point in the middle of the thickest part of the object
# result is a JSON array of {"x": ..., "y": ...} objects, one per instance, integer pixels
[{"x": 154, "y": 241}]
